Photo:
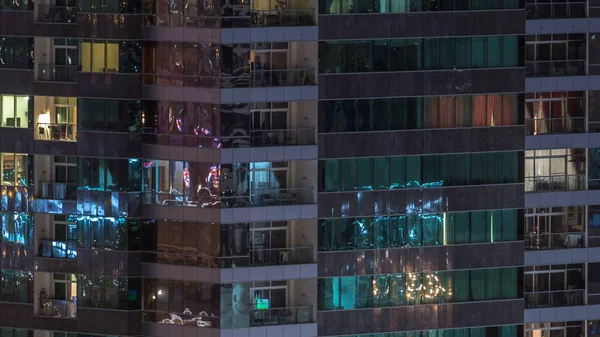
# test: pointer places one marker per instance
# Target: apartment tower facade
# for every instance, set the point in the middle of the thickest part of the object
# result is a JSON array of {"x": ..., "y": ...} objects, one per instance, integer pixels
[{"x": 299, "y": 168}]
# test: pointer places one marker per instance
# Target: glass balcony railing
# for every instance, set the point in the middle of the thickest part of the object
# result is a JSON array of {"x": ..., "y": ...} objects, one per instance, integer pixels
[
  {"x": 254, "y": 258},
  {"x": 238, "y": 138},
  {"x": 269, "y": 78},
  {"x": 57, "y": 308},
  {"x": 256, "y": 198},
  {"x": 52, "y": 131},
  {"x": 278, "y": 316},
  {"x": 253, "y": 317},
  {"x": 548, "y": 241},
  {"x": 540, "y": 126},
  {"x": 560, "y": 298},
  {"x": 55, "y": 190},
  {"x": 58, "y": 249},
  {"x": 56, "y": 73},
  {"x": 257, "y": 18},
  {"x": 555, "y": 183},
  {"x": 555, "y": 68},
  {"x": 253, "y": 79},
  {"x": 56, "y": 14},
  {"x": 271, "y": 137}
]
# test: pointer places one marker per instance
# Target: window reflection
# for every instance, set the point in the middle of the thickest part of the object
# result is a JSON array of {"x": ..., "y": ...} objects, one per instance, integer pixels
[
  {"x": 109, "y": 292},
  {"x": 346, "y": 293},
  {"x": 109, "y": 115},
  {"x": 15, "y": 169},
  {"x": 554, "y": 286},
  {"x": 16, "y": 286},
  {"x": 419, "y": 230},
  {"x": 16, "y": 227},
  {"x": 555, "y": 55},
  {"x": 418, "y": 54},
  {"x": 16, "y": 52},
  {"x": 419, "y": 113},
  {"x": 419, "y": 171}
]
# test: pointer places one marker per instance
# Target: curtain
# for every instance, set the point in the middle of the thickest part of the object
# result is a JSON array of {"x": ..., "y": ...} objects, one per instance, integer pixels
[
  {"x": 478, "y": 285},
  {"x": 510, "y": 283},
  {"x": 510, "y": 225},
  {"x": 493, "y": 284},
  {"x": 462, "y": 111},
  {"x": 478, "y": 227},
  {"x": 461, "y": 286},
  {"x": 479, "y": 110},
  {"x": 461, "y": 228},
  {"x": 431, "y": 108}
]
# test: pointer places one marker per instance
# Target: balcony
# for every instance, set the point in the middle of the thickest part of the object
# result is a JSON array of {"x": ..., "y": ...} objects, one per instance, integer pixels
[
  {"x": 555, "y": 68},
  {"x": 549, "y": 241},
  {"x": 257, "y": 18},
  {"x": 256, "y": 198},
  {"x": 556, "y": 183},
  {"x": 279, "y": 316},
  {"x": 270, "y": 78},
  {"x": 52, "y": 131},
  {"x": 57, "y": 308},
  {"x": 58, "y": 191},
  {"x": 258, "y": 317},
  {"x": 540, "y": 126},
  {"x": 56, "y": 14},
  {"x": 58, "y": 249},
  {"x": 558, "y": 298},
  {"x": 56, "y": 73}
]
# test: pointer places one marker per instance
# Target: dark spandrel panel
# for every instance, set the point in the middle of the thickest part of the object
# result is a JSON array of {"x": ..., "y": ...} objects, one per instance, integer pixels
[
  {"x": 347, "y": 86},
  {"x": 421, "y": 24},
  {"x": 109, "y": 85},
  {"x": 52, "y": 88},
  {"x": 110, "y": 26},
  {"x": 429, "y": 317},
  {"x": 17, "y": 23},
  {"x": 397, "y": 202},
  {"x": 421, "y": 142},
  {"x": 418, "y": 259},
  {"x": 16, "y": 81},
  {"x": 104, "y": 144},
  {"x": 16, "y": 140}
]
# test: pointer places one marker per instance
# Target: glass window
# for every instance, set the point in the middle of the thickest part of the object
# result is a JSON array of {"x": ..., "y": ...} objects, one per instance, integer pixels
[{"x": 16, "y": 52}]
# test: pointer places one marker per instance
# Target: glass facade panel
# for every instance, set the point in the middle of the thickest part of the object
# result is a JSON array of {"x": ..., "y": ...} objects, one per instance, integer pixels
[
  {"x": 420, "y": 113},
  {"x": 419, "y": 171},
  {"x": 16, "y": 52},
  {"x": 419, "y": 54},
  {"x": 347, "y": 293},
  {"x": 419, "y": 230}
]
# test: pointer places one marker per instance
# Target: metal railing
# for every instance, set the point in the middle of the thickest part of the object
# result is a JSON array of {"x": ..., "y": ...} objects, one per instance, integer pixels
[
  {"x": 548, "y": 241},
  {"x": 57, "y": 308},
  {"x": 255, "y": 198},
  {"x": 559, "y": 298},
  {"x": 278, "y": 316},
  {"x": 540, "y": 126},
  {"x": 56, "y": 73},
  {"x": 270, "y": 256},
  {"x": 56, "y": 14},
  {"x": 53, "y": 131},
  {"x": 202, "y": 319},
  {"x": 255, "y": 257},
  {"x": 54, "y": 190},
  {"x": 555, "y": 68},
  {"x": 271, "y": 137},
  {"x": 256, "y": 18},
  {"x": 58, "y": 249},
  {"x": 246, "y": 79},
  {"x": 269, "y": 78},
  {"x": 556, "y": 10},
  {"x": 555, "y": 183}
]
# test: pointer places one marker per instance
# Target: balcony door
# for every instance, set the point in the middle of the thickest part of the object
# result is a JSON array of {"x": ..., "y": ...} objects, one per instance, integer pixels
[{"x": 268, "y": 244}]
